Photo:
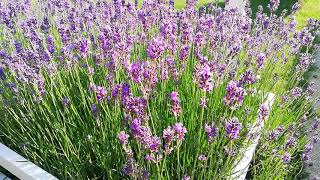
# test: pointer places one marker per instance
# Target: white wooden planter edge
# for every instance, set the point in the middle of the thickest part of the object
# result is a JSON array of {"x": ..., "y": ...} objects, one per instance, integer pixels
[
  {"x": 4, "y": 177},
  {"x": 242, "y": 166},
  {"x": 21, "y": 167}
]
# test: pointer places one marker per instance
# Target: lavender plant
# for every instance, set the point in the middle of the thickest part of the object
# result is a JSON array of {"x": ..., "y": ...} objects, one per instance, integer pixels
[{"x": 107, "y": 90}]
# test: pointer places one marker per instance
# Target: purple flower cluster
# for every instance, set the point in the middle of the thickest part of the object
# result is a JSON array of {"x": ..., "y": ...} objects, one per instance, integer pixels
[
  {"x": 132, "y": 55},
  {"x": 247, "y": 78},
  {"x": 286, "y": 158},
  {"x": 156, "y": 48},
  {"x": 99, "y": 91},
  {"x": 175, "y": 104},
  {"x": 144, "y": 136},
  {"x": 204, "y": 76},
  {"x": 234, "y": 95},
  {"x": 263, "y": 111},
  {"x": 274, "y": 134},
  {"x": 172, "y": 134},
  {"x": 123, "y": 138},
  {"x": 296, "y": 92},
  {"x": 260, "y": 60},
  {"x": 233, "y": 128},
  {"x": 211, "y": 132},
  {"x": 306, "y": 155}
]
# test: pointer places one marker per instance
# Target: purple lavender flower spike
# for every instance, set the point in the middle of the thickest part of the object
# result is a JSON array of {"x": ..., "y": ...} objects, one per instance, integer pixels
[
  {"x": 263, "y": 111},
  {"x": 123, "y": 138},
  {"x": 156, "y": 48},
  {"x": 101, "y": 93},
  {"x": 247, "y": 77},
  {"x": 211, "y": 131},
  {"x": 296, "y": 92},
  {"x": 2, "y": 74},
  {"x": 175, "y": 104},
  {"x": 260, "y": 60},
  {"x": 286, "y": 158},
  {"x": 83, "y": 47},
  {"x": 186, "y": 177},
  {"x": 65, "y": 101},
  {"x": 234, "y": 95},
  {"x": 204, "y": 76},
  {"x": 202, "y": 157},
  {"x": 180, "y": 131},
  {"x": 233, "y": 128},
  {"x": 291, "y": 142}
]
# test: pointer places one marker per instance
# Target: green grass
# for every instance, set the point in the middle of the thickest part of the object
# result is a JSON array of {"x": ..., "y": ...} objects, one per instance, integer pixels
[{"x": 309, "y": 9}]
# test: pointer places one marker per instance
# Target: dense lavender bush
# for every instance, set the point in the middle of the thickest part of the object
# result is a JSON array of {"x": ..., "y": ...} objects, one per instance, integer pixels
[{"x": 107, "y": 90}]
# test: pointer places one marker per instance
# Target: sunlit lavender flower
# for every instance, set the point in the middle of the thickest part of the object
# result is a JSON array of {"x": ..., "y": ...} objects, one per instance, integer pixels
[
  {"x": 308, "y": 147},
  {"x": 186, "y": 177},
  {"x": 130, "y": 168},
  {"x": 154, "y": 144},
  {"x": 260, "y": 60},
  {"x": 229, "y": 151},
  {"x": 136, "y": 105},
  {"x": 175, "y": 104},
  {"x": 211, "y": 131},
  {"x": 180, "y": 131},
  {"x": 101, "y": 93},
  {"x": 263, "y": 111},
  {"x": 286, "y": 158},
  {"x": 184, "y": 53},
  {"x": 136, "y": 72},
  {"x": 305, "y": 37},
  {"x": 156, "y": 48},
  {"x": 83, "y": 48},
  {"x": 234, "y": 95},
  {"x": 199, "y": 39},
  {"x": 233, "y": 128},
  {"x": 305, "y": 157},
  {"x": 291, "y": 142},
  {"x": 149, "y": 158},
  {"x": 204, "y": 76},
  {"x": 202, "y": 157},
  {"x": 247, "y": 77},
  {"x": 168, "y": 134},
  {"x": 296, "y": 92},
  {"x": 123, "y": 138},
  {"x": 273, "y": 5},
  {"x": 203, "y": 102},
  {"x": 51, "y": 47},
  {"x": 186, "y": 32},
  {"x": 295, "y": 7},
  {"x": 304, "y": 61}
]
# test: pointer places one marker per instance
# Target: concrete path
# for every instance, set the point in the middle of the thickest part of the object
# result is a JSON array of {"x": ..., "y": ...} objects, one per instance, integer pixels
[{"x": 314, "y": 169}]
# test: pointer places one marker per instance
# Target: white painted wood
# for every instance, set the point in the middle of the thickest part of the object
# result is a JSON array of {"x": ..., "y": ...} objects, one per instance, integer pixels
[
  {"x": 242, "y": 165},
  {"x": 4, "y": 177},
  {"x": 21, "y": 167}
]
